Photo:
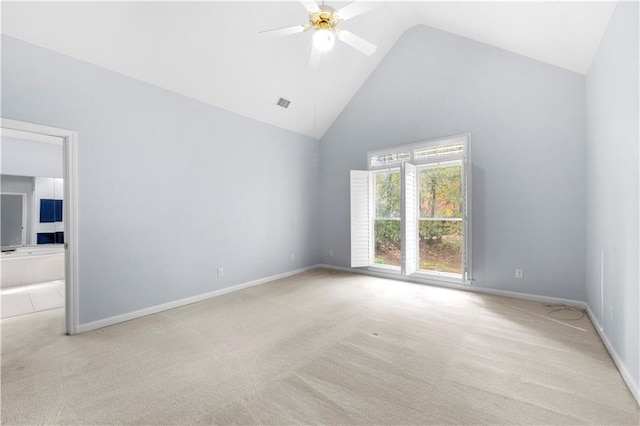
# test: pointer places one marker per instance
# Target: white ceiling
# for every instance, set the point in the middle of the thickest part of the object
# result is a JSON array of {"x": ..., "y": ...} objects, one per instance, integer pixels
[{"x": 211, "y": 51}]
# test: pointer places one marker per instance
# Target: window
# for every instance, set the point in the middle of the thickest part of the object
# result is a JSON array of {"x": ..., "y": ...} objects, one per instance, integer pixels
[
  {"x": 409, "y": 211},
  {"x": 386, "y": 220},
  {"x": 440, "y": 233},
  {"x": 386, "y": 159}
]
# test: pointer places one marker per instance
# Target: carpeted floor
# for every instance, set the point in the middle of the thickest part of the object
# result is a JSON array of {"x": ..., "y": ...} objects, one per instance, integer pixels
[{"x": 321, "y": 347}]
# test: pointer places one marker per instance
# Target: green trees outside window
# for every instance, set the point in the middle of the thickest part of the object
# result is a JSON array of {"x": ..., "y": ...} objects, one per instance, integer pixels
[
  {"x": 440, "y": 221},
  {"x": 387, "y": 227},
  {"x": 440, "y": 217}
]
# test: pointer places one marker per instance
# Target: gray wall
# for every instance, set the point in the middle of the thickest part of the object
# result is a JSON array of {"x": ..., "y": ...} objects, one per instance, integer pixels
[
  {"x": 169, "y": 188},
  {"x": 28, "y": 158},
  {"x": 613, "y": 185},
  {"x": 528, "y": 128}
]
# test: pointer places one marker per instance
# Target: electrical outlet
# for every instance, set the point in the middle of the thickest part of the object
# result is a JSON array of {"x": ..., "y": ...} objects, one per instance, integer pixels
[
  {"x": 611, "y": 316},
  {"x": 220, "y": 271},
  {"x": 330, "y": 253},
  {"x": 519, "y": 273},
  {"x": 293, "y": 257}
]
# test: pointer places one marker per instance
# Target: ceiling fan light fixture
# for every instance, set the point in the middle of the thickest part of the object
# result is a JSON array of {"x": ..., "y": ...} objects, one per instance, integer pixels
[
  {"x": 323, "y": 40},
  {"x": 324, "y": 21}
]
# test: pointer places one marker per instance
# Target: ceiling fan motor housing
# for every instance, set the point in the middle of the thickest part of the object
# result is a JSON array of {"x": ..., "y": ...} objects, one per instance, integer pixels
[{"x": 324, "y": 19}]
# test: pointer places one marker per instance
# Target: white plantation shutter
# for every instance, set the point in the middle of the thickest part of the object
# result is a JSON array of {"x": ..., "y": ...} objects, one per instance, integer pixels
[
  {"x": 360, "y": 219},
  {"x": 410, "y": 219}
]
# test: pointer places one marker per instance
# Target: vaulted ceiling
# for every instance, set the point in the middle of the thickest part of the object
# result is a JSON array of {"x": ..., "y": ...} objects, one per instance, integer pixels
[{"x": 211, "y": 51}]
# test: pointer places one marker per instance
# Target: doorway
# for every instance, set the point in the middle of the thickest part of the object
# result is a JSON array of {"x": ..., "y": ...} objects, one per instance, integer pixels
[{"x": 40, "y": 163}]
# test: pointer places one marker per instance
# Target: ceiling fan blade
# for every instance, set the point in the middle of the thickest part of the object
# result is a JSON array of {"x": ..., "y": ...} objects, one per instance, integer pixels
[
  {"x": 357, "y": 8},
  {"x": 314, "y": 59},
  {"x": 357, "y": 42},
  {"x": 277, "y": 32},
  {"x": 310, "y": 5}
]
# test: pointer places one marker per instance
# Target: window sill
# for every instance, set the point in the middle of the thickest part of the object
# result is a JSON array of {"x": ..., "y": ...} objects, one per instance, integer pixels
[
  {"x": 441, "y": 277},
  {"x": 385, "y": 269},
  {"x": 420, "y": 276}
]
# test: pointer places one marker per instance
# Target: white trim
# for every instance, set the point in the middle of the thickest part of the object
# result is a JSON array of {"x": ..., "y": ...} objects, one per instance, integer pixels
[
  {"x": 628, "y": 378},
  {"x": 32, "y": 136},
  {"x": 409, "y": 215},
  {"x": 187, "y": 301},
  {"x": 391, "y": 270},
  {"x": 449, "y": 277},
  {"x": 69, "y": 141},
  {"x": 467, "y": 167},
  {"x": 461, "y": 286},
  {"x": 601, "y": 287},
  {"x": 464, "y": 138},
  {"x": 70, "y": 215}
]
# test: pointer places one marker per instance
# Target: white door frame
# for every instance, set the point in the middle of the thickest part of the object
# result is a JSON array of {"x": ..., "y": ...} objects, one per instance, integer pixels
[{"x": 70, "y": 213}]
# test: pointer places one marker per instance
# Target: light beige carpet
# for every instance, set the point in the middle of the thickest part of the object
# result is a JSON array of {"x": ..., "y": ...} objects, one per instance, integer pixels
[{"x": 321, "y": 347}]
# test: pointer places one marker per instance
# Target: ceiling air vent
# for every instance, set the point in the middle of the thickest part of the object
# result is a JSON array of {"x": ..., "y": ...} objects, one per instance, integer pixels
[{"x": 283, "y": 103}]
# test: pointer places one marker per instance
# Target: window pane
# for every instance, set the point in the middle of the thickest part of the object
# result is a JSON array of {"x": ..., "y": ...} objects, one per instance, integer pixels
[
  {"x": 387, "y": 243},
  {"x": 396, "y": 157},
  {"x": 387, "y": 205},
  {"x": 441, "y": 245},
  {"x": 440, "y": 192},
  {"x": 430, "y": 153},
  {"x": 387, "y": 195}
]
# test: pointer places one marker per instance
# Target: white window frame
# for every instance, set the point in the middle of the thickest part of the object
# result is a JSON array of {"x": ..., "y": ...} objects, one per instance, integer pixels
[
  {"x": 409, "y": 267},
  {"x": 465, "y": 270},
  {"x": 392, "y": 269},
  {"x": 463, "y": 139}
]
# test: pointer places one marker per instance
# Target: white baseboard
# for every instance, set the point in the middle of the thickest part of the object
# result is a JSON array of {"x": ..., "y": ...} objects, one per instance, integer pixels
[
  {"x": 187, "y": 301},
  {"x": 631, "y": 384},
  {"x": 200, "y": 297},
  {"x": 463, "y": 287}
]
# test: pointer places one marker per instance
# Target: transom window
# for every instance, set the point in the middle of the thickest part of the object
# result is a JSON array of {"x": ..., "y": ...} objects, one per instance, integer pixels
[{"x": 409, "y": 211}]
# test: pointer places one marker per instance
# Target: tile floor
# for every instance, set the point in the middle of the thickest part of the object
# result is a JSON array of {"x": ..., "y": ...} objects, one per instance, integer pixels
[{"x": 31, "y": 298}]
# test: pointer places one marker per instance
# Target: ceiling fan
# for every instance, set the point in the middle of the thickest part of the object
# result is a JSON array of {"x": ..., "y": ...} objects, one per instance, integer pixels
[{"x": 324, "y": 21}]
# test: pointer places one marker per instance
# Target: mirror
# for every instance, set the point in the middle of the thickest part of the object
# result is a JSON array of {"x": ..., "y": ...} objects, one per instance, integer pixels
[
  {"x": 14, "y": 210},
  {"x": 32, "y": 189}
]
